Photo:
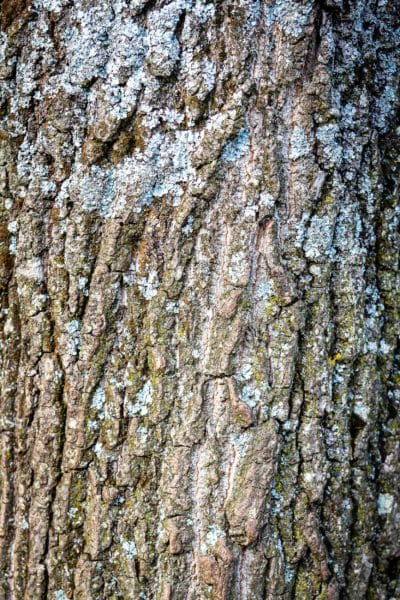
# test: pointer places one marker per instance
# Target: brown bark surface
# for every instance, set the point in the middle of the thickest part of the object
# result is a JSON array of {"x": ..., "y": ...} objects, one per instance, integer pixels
[{"x": 199, "y": 250}]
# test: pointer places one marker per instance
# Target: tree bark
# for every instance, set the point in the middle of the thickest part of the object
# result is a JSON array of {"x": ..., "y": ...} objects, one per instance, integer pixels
[{"x": 200, "y": 292}]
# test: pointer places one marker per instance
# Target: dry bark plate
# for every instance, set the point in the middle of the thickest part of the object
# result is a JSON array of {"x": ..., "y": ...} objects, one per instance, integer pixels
[{"x": 199, "y": 286}]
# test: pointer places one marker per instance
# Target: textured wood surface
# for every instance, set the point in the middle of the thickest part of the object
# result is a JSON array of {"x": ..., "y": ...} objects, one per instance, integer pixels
[{"x": 200, "y": 293}]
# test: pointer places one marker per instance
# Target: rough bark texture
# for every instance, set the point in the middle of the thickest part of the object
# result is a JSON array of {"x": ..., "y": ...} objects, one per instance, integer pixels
[{"x": 199, "y": 299}]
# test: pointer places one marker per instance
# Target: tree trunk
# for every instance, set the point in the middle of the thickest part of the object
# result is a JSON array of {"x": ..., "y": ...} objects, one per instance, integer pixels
[{"x": 199, "y": 300}]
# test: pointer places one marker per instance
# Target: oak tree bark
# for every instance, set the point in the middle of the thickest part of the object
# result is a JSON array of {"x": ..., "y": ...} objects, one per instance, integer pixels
[{"x": 199, "y": 248}]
